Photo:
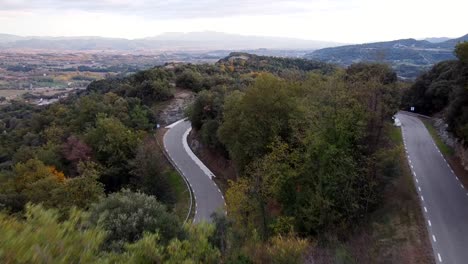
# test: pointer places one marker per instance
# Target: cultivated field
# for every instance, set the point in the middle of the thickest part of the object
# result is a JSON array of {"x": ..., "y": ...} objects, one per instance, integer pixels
[{"x": 11, "y": 93}]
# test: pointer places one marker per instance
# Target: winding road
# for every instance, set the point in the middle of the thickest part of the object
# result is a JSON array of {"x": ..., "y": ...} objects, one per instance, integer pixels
[
  {"x": 208, "y": 197},
  {"x": 444, "y": 200}
]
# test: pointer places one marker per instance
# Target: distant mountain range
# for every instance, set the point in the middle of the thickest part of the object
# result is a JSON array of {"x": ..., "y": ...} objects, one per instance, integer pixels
[
  {"x": 167, "y": 41},
  {"x": 437, "y": 40},
  {"x": 409, "y": 57}
]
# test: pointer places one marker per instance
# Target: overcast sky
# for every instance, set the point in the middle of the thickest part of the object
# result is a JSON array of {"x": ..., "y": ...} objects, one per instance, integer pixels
[{"x": 350, "y": 21}]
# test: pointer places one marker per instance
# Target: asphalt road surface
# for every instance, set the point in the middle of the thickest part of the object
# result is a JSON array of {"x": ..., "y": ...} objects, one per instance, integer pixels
[
  {"x": 443, "y": 198},
  {"x": 208, "y": 197}
]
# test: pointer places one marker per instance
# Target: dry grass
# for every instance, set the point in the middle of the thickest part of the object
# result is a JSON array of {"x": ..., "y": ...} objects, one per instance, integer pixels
[
  {"x": 444, "y": 148},
  {"x": 10, "y": 94}
]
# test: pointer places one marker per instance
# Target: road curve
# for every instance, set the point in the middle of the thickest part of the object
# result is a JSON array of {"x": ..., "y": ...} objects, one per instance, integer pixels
[
  {"x": 208, "y": 197},
  {"x": 444, "y": 200}
]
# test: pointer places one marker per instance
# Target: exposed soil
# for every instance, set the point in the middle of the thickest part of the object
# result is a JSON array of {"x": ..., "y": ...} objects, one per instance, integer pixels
[{"x": 174, "y": 110}]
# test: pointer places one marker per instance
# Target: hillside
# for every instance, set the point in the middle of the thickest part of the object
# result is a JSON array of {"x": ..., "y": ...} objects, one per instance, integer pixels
[
  {"x": 408, "y": 57},
  {"x": 443, "y": 90},
  {"x": 270, "y": 116}
]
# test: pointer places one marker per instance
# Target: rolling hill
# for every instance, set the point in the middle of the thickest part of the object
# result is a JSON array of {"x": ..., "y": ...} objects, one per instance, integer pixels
[{"x": 409, "y": 57}]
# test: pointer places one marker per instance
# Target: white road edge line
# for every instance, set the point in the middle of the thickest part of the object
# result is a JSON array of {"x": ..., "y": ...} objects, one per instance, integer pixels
[
  {"x": 429, "y": 222},
  {"x": 440, "y": 258},
  {"x": 425, "y": 209},
  {"x": 194, "y": 157},
  {"x": 434, "y": 238}
]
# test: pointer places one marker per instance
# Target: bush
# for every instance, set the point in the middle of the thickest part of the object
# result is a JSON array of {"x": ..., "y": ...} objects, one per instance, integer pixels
[
  {"x": 287, "y": 250},
  {"x": 43, "y": 238},
  {"x": 126, "y": 215},
  {"x": 190, "y": 79}
]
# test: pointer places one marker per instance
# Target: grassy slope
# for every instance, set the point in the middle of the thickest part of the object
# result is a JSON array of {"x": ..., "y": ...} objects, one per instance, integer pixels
[
  {"x": 445, "y": 149},
  {"x": 181, "y": 192}
]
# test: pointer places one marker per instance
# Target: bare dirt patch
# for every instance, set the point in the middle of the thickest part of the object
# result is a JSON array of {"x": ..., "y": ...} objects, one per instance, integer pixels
[{"x": 174, "y": 109}]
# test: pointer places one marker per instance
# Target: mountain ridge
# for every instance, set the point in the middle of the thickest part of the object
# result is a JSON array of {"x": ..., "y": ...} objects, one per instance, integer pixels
[
  {"x": 204, "y": 40},
  {"x": 409, "y": 57}
]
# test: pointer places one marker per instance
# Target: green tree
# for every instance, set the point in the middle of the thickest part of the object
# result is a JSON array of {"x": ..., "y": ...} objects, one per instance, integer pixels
[
  {"x": 40, "y": 184},
  {"x": 193, "y": 249},
  {"x": 273, "y": 180},
  {"x": 254, "y": 119},
  {"x": 127, "y": 215},
  {"x": 139, "y": 117},
  {"x": 155, "y": 90},
  {"x": 114, "y": 145},
  {"x": 287, "y": 250},
  {"x": 32, "y": 182},
  {"x": 461, "y": 51},
  {"x": 196, "y": 248},
  {"x": 79, "y": 191},
  {"x": 148, "y": 169},
  {"x": 190, "y": 79}
]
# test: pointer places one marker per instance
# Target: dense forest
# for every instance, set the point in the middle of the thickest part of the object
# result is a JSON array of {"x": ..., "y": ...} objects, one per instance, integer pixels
[
  {"x": 444, "y": 89},
  {"x": 309, "y": 141}
]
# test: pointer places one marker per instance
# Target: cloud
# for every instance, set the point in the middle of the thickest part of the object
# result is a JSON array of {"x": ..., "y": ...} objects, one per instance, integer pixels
[{"x": 177, "y": 9}]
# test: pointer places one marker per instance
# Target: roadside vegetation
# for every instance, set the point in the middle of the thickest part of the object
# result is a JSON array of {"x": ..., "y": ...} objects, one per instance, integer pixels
[
  {"x": 317, "y": 162},
  {"x": 444, "y": 89},
  {"x": 444, "y": 148},
  {"x": 396, "y": 231}
]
